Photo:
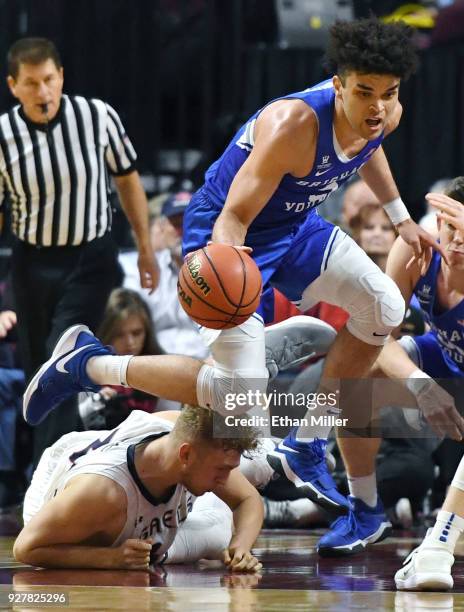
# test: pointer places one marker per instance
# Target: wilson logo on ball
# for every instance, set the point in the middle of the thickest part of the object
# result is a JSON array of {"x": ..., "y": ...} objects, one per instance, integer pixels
[
  {"x": 186, "y": 299},
  {"x": 194, "y": 266},
  {"x": 219, "y": 286}
]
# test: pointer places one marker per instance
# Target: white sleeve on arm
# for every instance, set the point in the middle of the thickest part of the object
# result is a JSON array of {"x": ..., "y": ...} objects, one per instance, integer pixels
[{"x": 120, "y": 155}]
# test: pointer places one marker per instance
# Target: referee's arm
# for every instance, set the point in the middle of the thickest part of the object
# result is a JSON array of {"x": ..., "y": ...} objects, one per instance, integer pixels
[
  {"x": 120, "y": 158},
  {"x": 134, "y": 203}
]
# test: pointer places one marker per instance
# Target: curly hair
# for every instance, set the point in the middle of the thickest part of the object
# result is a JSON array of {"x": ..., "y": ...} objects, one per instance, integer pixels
[{"x": 369, "y": 46}]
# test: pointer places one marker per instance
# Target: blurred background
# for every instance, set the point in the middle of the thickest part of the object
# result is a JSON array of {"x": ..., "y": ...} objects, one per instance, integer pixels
[{"x": 184, "y": 74}]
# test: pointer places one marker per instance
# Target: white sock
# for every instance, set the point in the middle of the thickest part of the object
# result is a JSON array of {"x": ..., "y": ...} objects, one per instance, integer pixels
[
  {"x": 364, "y": 488},
  {"x": 108, "y": 369},
  {"x": 325, "y": 415},
  {"x": 446, "y": 531}
]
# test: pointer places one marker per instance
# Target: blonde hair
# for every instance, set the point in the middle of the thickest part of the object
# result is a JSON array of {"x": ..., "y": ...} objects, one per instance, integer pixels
[{"x": 196, "y": 424}]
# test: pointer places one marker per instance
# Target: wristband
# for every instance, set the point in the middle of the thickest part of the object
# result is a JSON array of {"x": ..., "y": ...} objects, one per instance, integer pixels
[
  {"x": 417, "y": 382},
  {"x": 397, "y": 211}
]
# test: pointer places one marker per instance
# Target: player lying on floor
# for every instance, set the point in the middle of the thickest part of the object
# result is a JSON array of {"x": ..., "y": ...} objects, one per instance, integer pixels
[{"x": 138, "y": 495}]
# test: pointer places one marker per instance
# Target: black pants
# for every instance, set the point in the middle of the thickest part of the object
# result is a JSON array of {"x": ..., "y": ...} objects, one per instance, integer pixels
[{"x": 55, "y": 287}]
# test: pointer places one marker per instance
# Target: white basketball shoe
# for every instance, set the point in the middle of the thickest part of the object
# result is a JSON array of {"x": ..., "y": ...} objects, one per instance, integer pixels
[{"x": 426, "y": 569}]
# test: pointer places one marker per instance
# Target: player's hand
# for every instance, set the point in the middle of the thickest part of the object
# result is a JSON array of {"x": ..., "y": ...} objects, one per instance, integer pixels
[
  {"x": 245, "y": 249},
  {"x": 451, "y": 211},
  {"x": 133, "y": 554},
  {"x": 438, "y": 407},
  {"x": 148, "y": 270},
  {"x": 240, "y": 560},
  {"x": 7, "y": 322},
  {"x": 422, "y": 244}
]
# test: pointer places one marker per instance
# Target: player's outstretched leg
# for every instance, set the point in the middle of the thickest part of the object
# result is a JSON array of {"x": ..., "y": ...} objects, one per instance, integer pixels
[{"x": 64, "y": 374}]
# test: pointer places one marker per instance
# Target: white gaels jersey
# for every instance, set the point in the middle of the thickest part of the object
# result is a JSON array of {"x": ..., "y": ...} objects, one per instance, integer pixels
[{"x": 111, "y": 454}]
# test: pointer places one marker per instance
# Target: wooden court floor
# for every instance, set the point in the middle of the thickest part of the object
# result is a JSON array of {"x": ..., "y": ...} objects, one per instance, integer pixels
[{"x": 293, "y": 578}]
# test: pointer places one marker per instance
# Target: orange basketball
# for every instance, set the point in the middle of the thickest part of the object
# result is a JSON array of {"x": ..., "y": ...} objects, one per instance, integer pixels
[{"x": 219, "y": 286}]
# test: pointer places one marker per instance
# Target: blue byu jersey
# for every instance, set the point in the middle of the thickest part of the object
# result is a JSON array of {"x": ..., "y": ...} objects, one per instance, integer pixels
[
  {"x": 290, "y": 245},
  {"x": 447, "y": 326},
  {"x": 294, "y": 197}
]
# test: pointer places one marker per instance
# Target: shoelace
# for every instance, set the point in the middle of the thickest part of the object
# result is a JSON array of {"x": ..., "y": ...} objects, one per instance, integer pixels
[
  {"x": 317, "y": 448},
  {"x": 342, "y": 519}
]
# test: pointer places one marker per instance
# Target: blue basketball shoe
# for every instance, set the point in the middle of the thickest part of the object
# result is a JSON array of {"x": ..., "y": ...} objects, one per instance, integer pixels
[
  {"x": 304, "y": 464},
  {"x": 351, "y": 534},
  {"x": 64, "y": 374}
]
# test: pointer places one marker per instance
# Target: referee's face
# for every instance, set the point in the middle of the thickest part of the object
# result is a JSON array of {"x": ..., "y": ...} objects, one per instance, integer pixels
[{"x": 38, "y": 88}]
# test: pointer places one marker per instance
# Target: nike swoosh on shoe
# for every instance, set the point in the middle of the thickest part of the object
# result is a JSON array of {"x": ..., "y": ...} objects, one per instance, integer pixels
[{"x": 64, "y": 360}]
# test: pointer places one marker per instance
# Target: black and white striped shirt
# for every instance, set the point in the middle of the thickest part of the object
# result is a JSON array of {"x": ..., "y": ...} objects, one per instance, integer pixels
[{"x": 57, "y": 175}]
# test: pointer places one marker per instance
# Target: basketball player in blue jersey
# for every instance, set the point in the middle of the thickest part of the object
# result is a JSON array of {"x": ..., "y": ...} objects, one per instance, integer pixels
[
  {"x": 416, "y": 361},
  {"x": 428, "y": 567},
  {"x": 263, "y": 193}
]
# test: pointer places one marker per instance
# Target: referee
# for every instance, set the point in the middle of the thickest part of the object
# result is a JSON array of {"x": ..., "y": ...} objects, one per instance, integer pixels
[{"x": 56, "y": 152}]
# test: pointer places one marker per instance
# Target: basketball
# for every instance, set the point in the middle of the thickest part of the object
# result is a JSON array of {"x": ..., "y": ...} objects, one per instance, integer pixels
[{"x": 219, "y": 286}]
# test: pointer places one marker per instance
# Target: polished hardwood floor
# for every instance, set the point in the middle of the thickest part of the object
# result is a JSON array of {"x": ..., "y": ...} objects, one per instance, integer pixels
[{"x": 293, "y": 578}]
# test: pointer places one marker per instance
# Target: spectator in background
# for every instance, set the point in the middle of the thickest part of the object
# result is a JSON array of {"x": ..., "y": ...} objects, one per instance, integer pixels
[
  {"x": 56, "y": 152},
  {"x": 163, "y": 235},
  {"x": 374, "y": 232},
  {"x": 356, "y": 195},
  {"x": 128, "y": 328},
  {"x": 176, "y": 332}
]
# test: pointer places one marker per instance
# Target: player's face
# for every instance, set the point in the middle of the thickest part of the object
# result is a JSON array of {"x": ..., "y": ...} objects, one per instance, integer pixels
[
  {"x": 38, "y": 85},
  {"x": 377, "y": 234},
  {"x": 453, "y": 242},
  {"x": 209, "y": 468},
  {"x": 129, "y": 336},
  {"x": 368, "y": 101}
]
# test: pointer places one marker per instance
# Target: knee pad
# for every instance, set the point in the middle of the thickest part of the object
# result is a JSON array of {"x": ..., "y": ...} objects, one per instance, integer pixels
[
  {"x": 230, "y": 391},
  {"x": 377, "y": 310},
  {"x": 239, "y": 369}
]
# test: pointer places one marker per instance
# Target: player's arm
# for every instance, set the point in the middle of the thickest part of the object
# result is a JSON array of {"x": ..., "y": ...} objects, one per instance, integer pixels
[
  {"x": 436, "y": 404},
  {"x": 393, "y": 360},
  {"x": 134, "y": 203},
  {"x": 247, "y": 507},
  {"x": 377, "y": 174},
  {"x": 449, "y": 210},
  {"x": 74, "y": 529},
  {"x": 285, "y": 137}
]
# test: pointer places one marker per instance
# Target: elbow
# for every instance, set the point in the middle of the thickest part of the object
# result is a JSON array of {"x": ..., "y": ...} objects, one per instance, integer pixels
[{"x": 21, "y": 552}]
